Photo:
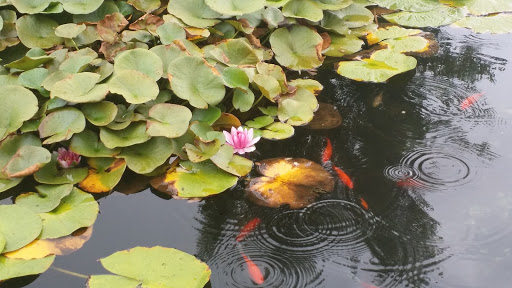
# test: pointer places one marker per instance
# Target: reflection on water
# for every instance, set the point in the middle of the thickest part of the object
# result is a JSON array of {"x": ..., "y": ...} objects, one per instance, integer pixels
[{"x": 435, "y": 177}]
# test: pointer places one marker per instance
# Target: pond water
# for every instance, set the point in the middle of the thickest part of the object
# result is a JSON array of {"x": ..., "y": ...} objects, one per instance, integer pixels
[{"x": 436, "y": 179}]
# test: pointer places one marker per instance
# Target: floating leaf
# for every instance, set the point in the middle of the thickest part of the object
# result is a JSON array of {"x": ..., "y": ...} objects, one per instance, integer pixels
[
  {"x": 100, "y": 113},
  {"x": 326, "y": 117},
  {"x": 13, "y": 268},
  {"x": 278, "y": 131},
  {"x": 87, "y": 144},
  {"x": 407, "y": 44},
  {"x": 307, "y": 9},
  {"x": 6, "y": 184},
  {"x": 297, "y": 108},
  {"x": 61, "y": 125},
  {"x": 19, "y": 226},
  {"x": 46, "y": 199},
  {"x": 169, "y": 32},
  {"x": 434, "y": 18},
  {"x": 81, "y": 6},
  {"x": 292, "y": 181},
  {"x": 69, "y": 30},
  {"x": 208, "y": 116},
  {"x": 409, "y": 5},
  {"x": 496, "y": 24},
  {"x": 193, "y": 12},
  {"x": 235, "y": 7},
  {"x": 478, "y": 7},
  {"x": 235, "y": 77},
  {"x": 390, "y": 32},
  {"x": 104, "y": 174},
  {"x": 202, "y": 151},
  {"x": 33, "y": 78},
  {"x": 235, "y": 52},
  {"x": 26, "y": 161},
  {"x": 153, "y": 267},
  {"x": 145, "y": 5},
  {"x": 111, "y": 281},
  {"x": 49, "y": 174},
  {"x": 381, "y": 66},
  {"x": 135, "y": 133},
  {"x": 341, "y": 21},
  {"x": 18, "y": 105},
  {"x": 194, "y": 180},
  {"x": 141, "y": 60},
  {"x": 30, "y": 7},
  {"x": 37, "y": 31},
  {"x": 194, "y": 80},
  {"x": 243, "y": 100},
  {"x": 146, "y": 157},
  {"x": 8, "y": 149},
  {"x": 134, "y": 86},
  {"x": 225, "y": 122},
  {"x": 77, "y": 210},
  {"x": 41, "y": 248},
  {"x": 260, "y": 122},
  {"x": 297, "y": 48},
  {"x": 31, "y": 60},
  {"x": 80, "y": 88},
  {"x": 234, "y": 164},
  {"x": 168, "y": 120}
]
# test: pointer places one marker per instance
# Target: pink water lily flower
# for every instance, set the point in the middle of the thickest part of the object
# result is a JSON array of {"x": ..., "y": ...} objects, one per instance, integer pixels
[
  {"x": 241, "y": 139},
  {"x": 67, "y": 159}
]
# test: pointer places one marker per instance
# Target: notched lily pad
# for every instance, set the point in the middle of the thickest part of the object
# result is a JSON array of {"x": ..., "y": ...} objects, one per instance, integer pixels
[
  {"x": 168, "y": 120},
  {"x": 289, "y": 181},
  {"x": 104, "y": 174},
  {"x": 146, "y": 157},
  {"x": 50, "y": 174},
  {"x": 87, "y": 144},
  {"x": 278, "y": 131},
  {"x": 234, "y": 164},
  {"x": 61, "y": 124},
  {"x": 46, "y": 199}
]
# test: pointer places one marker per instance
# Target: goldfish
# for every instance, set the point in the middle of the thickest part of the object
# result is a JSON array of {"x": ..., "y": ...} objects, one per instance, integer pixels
[
  {"x": 364, "y": 204},
  {"x": 327, "y": 154},
  {"x": 254, "y": 271},
  {"x": 470, "y": 100},
  {"x": 344, "y": 177},
  {"x": 248, "y": 228}
]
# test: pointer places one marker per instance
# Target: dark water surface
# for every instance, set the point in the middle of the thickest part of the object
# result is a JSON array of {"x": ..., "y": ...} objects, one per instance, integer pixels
[{"x": 437, "y": 180}]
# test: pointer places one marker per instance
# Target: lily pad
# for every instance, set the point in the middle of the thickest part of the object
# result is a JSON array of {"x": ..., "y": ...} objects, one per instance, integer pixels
[
  {"x": 278, "y": 131},
  {"x": 41, "y": 248},
  {"x": 135, "y": 133},
  {"x": 111, "y": 281},
  {"x": 134, "y": 86},
  {"x": 77, "y": 210},
  {"x": 194, "y": 180},
  {"x": 289, "y": 181},
  {"x": 235, "y": 77},
  {"x": 19, "y": 226},
  {"x": 381, "y": 66},
  {"x": 80, "y": 88},
  {"x": 87, "y": 144},
  {"x": 69, "y": 30},
  {"x": 390, "y": 32},
  {"x": 235, "y": 7},
  {"x": 33, "y": 78},
  {"x": 297, "y": 48},
  {"x": 407, "y": 44},
  {"x": 13, "y": 268},
  {"x": 168, "y": 120},
  {"x": 141, "y": 60},
  {"x": 194, "y": 80},
  {"x": 104, "y": 174},
  {"x": 297, "y": 109},
  {"x": 37, "y": 31},
  {"x": 154, "y": 267},
  {"x": 260, "y": 122},
  {"x": 11, "y": 145},
  {"x": 434, "y": 18},
  {"x": 81, "y": 6},
  {"x": 46, "y": 199},
  {"x": 479, "y": 8},
  {"x": 145, "y": 5},
  {"x": 61, "y": 125},
  {"x": 243, "y": 99},
  {"x": 30, "y": 7},
  {"x": 235, "y": 52},
  {"x": 409, "y": 5},
  {"x": 326, "y": 117},
  {"x": 342, "y": 45},
  {"x": 6, "y": 184},
  {"x": 26, "y": 161},
  {"x": 33, "y": 58},
  {"x": 202, "y": 151},
  {"x": 169, "y": 32},
  {"x": 146, "y": 157},
  {"x": 100, "y": 113},
  {"x": 234, "y": 164},
  {"x": 18, "y": 105},
  {"x": 495, "y": 24},
  {"x": 208, "y": 116},
  {"x": 195, "y": 13},
  {"x": 49, "y": 174}
]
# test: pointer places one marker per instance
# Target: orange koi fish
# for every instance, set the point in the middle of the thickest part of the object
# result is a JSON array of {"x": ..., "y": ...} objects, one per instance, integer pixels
[
  {"x": 364, "y": 204},
  {"x": 344, "y": 177},
  {"x": 248, "y": 228},
  {"x": 327, "y": 154},
  {"x": 470, "y": 100},
  {"x": 254, "y": 271}
]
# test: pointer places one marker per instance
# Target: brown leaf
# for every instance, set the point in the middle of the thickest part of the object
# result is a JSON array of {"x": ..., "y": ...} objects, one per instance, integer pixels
[
  {"x": 109, "y": 27},
  {"x": 148, "y": 22}
]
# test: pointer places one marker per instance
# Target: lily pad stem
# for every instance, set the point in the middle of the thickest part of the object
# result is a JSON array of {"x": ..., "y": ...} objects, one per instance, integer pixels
[{"x": 70, "y": 272}]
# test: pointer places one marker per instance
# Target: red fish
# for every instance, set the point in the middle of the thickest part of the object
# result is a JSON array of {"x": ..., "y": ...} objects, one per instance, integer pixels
[
  {"x": 364, "y": 204},
  {"x": 327, "y": 154},
  {"x": 254, "y": 271},
  {"x": 248, "y": 228},
  {"x": 368, "y": 285},
  {"x": 344, "y": 177},
  {"x": 407, "y": 183},
  {"x": 470, "y": 100}
]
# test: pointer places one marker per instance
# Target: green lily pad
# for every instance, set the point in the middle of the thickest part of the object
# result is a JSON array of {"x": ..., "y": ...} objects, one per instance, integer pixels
[
  {"x": 77, "y": 63},
  {"x": 495, "y": 24},
  {"x": 145, "y": 5},
  {"x": 479, "y": 8},
  {"x": 243, "y": 99},
  {"x": 26, "y": 161},
  {"x": 268, "y": 85},
  {"x": 390, "y": 32},
  {"x": 276, "y": 72},
  {"x": 81, "y": 6},
  {"x": 307, "y": 9},
  {"x": 33, "y": 78},
  {"x": 297, "y": 48},
  {"x": 167, "y": 54},
  {"x": 235, "y": 77},
  {"x": 235, "y": 7},
  {"x": 409, "y": 5},
  {"x": 194, "y": 80},
  {"x": 156, "y": 267},
  {"x": 100, "y": 113},
  {"x": 69, "y": 30},
  {"x": 46, "y": 199},
  {"x": 13, "y": 268},
  {"x": 260, "y": 122},
  {"x": 146, "y": 157},
  {"x": 169, "y": 32},
  {"x": 80, "y": 88},
  {"x": 234, "y": 164},
  {"x": 381, "y": 66},
  {"x": 168, "y": 120},
  {"x": 18, "y": 105},
  {"x": 341, "y": 21},
  {"x": 202, "y": 151},
  {"x": 87, "y": 144},
  {"x": 235, "y": 52},
  {"x": 19, "y": 226},
  {"x": 31, "y": 7},
  {"x": 106, "y": 8},
  {"x": 53, "y": 78},
  {"x": 278, "y": 131},
  {"x": 49, "y": 174},
  {"x": 77, "y": 210},
  {"x": 10, "y": 146},
  {"x": 195, "y": 180},
  {"x": 31, "y": 60},
  {"x": 111, "y": 281},
  {"x": 208, "y": 116},
  {"x": 342, "y": 45},
  {"x": 104, "y": 174},
  {"x": 407, "y": 44},
  {"x": 61, "y": 125},
  {"x": 193, "y": 12},
  {"x": 6, "y": 184},
  {"x": 434, "y": 18},
  {"x": 135, "y": 133},
  {"x": 134, "y": 86},
  {"x": 37, "y": 31},
  {"x": 141, "y": 60},
  {"x": 2, "y": 243}
]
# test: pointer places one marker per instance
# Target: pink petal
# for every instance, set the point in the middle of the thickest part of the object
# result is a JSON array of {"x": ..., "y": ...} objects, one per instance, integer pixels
[
  {"x": 249, "y": 149},
  {"x": 250, "y": 133},
  {"x": 233, "y": 131},
  {"x": 240, "y": 129},
  {"x": 240, "y": 151},
  {"x": 228, "y": 137},
  {"x": 254, "y": 141},
  {"x": 236, "y": 140}
]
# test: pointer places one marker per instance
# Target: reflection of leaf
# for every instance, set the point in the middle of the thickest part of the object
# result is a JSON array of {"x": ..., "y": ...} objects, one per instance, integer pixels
[
  {"x": 292, "y": 181},
  {"x": 326, "y": 117}
]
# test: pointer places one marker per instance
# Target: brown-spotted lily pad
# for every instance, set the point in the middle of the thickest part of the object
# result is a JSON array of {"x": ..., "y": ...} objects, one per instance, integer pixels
[
  {"x": 292, "y": 181},
  {"x": 104, "y": 174},
  {"x": 326, "y": 117}
]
